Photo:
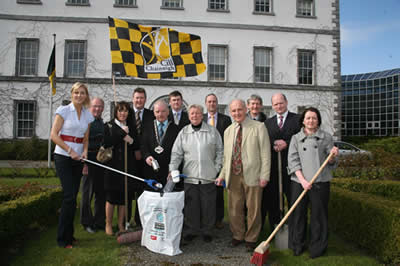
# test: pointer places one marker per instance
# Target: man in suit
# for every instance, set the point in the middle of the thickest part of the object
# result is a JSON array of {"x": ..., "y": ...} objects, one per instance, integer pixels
[
  {"x": 254, "y": 105},
  {"x": 246, "y": 171},
  {"x": 177, "y": 114},
  {"x": 221, "y": 122},
  {"x": 157, "y": 143},
  {"x": 140, "y": 116},
  {"x": 281, "y": 127}
]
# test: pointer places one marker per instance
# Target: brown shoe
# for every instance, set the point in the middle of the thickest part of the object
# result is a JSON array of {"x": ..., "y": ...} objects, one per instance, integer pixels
[
  {"x": 250, "y": 246},
  {"x": 236, "y": 242},
  {"x": 219, "y": 225}
]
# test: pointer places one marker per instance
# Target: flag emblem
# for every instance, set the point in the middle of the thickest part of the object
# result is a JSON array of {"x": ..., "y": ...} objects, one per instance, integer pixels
[{"x": 152, "y": 52}]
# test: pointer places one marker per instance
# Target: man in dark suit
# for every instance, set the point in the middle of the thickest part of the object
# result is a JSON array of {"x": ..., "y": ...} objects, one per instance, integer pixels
[
  {"x": 177, "y": 115},
  {"x": 254, "y": 105},
  {"x": 221, "y": 122},
  {"x": 157, "y": 143},
  {"x": 140, "y": 116},
  {"x": 281, "y": 127}
]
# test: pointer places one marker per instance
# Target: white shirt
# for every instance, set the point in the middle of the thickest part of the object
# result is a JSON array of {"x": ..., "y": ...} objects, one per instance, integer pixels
[
  {"x": 284, "y": 117},
  {"x": 215, "y": 118},
  {"x": 73, "y": 126}
]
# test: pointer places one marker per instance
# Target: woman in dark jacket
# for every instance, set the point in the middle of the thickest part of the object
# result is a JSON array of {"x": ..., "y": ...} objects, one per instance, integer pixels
[{"x": 118, "y": 134}]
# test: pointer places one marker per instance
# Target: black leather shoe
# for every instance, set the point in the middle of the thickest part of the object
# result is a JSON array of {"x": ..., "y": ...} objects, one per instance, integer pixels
[
  {"x": 250, "y": 246},
  {"x": 207, "y": 238},
  {"x": 235, "y": 242}
]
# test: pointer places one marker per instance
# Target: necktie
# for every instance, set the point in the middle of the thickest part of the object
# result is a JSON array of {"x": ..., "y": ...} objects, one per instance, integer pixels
[
  {"x": 280, "y": 125},
  {"x": 138, "y": 122},
  {"x": 176, "y": 119},
  {"x": 237, "y": 153},
  {"x": 212, "y": 121},
  {"x": 161, "y": 130}
]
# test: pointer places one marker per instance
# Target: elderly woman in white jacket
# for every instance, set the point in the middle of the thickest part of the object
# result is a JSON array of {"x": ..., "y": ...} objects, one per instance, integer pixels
[{"x": 200, "y": 147}]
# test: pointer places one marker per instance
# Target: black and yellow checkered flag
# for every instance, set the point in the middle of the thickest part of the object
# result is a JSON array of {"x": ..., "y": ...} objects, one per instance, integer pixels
[{"x": 152, "y": 52}]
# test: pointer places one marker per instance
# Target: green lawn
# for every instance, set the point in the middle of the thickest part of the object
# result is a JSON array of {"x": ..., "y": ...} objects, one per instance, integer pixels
[{"x": 40, "y": 248}]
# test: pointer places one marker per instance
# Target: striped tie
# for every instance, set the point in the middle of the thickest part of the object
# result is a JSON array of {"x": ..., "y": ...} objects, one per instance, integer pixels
[
  {"x": 138, "y": 122},
  {"x": 237, "y": 153},
  {"x": 280, "y": 125}
]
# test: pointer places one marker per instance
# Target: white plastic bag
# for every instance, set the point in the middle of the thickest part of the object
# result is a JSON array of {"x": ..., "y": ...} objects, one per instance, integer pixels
[{"x": 162, "y": 221}]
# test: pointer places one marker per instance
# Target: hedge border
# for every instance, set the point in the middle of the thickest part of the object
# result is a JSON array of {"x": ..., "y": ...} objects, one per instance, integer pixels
[{"x": 367, "y": 220}]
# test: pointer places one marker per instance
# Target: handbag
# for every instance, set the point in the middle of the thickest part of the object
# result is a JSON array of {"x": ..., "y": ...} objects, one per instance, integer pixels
[{"x": 105, "y": 154}]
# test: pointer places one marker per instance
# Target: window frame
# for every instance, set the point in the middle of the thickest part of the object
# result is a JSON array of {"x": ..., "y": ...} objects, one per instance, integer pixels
[
  {"x": 300, "y": 2},
  {"x": 66, "y": 61},
  {"x": 163, "y": 6},
  {"x": 17, "y": 120},
  {"x": 313, "y": 75},
  {"x": 30, "y": 2},
  {"x": 270, "y": 51},
  {"x": 226, "y": 56},
  {"x": 226, "y": 9},
  {"x": 18, "y": 58},
  {"x": 270, "y": 12},
  {"x": 69, "y": 3},
  {"x": 134, "y": 5}
]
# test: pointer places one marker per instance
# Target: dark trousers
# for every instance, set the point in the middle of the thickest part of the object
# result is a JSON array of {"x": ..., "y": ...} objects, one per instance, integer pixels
[
  {"x": 220, "y": 204},
  {"x": 70, "y": 172},
  {"x": 199, "y": 208},
  {"x": 318, "y": 198},
  {"x": 93, "y": 183}
]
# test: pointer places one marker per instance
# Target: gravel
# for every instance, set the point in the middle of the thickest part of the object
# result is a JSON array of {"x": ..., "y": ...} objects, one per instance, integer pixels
[{"x": 196, "y": 252}]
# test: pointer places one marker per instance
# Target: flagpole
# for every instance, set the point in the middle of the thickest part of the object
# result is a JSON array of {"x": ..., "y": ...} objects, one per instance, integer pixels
[{"x": 50, "y": 114}]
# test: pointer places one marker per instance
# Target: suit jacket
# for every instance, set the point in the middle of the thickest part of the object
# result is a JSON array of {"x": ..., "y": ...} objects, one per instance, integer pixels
[
  {"x": 261, "y": 117},
  {"x": 148, "y": 116},
  {"x": 255, "y": 150},
  {"x": 289, "y": 128},
  {"x": 149, "y": 143},
  {"x": 223, "y": 121},
  {"x": 182, "y": 122}
]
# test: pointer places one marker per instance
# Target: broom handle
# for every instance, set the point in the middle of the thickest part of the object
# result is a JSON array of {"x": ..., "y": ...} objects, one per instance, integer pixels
[
  {"x": 280, "y": 183},
  {"x": 297, "y": 201},
  {"x": 126, "y": 186}
]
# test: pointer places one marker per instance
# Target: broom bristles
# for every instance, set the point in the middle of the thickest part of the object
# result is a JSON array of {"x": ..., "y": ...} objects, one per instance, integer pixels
[
  {"x": 260, "y": 254},
  {"x": 130, "y": 237}
]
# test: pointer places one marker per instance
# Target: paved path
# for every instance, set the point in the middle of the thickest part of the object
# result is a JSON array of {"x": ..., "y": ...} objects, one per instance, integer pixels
[{"x": 197, "y": 252}]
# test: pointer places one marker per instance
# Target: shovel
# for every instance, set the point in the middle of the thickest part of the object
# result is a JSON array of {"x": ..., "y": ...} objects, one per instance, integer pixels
[{"x": 282, "y": 236}]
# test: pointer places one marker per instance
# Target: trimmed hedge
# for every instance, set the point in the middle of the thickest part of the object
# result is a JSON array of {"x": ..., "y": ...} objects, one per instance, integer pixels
[
  {"x": 18, "y": 215},
  {"x": 384, "y": 188},
  {"x": 370, "y": 221},
  {"x": 24, "y": 149}
]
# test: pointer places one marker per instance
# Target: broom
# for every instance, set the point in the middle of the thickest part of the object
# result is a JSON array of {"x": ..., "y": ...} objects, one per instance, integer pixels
[{"x": 261, "y": 252}]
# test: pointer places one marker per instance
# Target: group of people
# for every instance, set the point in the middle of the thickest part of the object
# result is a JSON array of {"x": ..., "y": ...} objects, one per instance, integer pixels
[{"x": 245, "y": 156}]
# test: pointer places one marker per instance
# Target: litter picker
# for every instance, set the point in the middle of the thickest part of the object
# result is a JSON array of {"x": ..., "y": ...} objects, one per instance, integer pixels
[
  {"x": 150, "y": 182},
  {"x": 261, "y": 252}
]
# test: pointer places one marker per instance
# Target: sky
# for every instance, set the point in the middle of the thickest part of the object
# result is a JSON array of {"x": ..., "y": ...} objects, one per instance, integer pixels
[{"x": 370, "y": 35}]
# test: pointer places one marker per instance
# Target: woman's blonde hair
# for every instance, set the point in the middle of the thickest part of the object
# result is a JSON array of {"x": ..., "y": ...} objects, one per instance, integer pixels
[{"x": 78, "y": 85}]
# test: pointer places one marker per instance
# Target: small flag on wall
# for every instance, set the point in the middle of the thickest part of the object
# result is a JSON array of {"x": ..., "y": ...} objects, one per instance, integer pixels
[
  {"x": 51, "y": 70},
  {"x": 152, "y": 52}
]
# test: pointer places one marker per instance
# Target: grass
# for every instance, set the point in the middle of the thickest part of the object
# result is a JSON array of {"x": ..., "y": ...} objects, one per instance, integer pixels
[{"x": 40, "y": 247}]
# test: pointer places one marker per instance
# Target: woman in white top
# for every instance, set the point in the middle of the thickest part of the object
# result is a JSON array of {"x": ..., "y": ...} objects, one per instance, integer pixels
[{"x": 70, "y": 133}]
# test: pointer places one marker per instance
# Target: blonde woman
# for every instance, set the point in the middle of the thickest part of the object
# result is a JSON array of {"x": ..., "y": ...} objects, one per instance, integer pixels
[{"x": 70, "y": 132}]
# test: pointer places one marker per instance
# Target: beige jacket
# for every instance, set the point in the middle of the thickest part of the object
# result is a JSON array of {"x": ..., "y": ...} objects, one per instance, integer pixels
[{"x": 256, "y": 152}]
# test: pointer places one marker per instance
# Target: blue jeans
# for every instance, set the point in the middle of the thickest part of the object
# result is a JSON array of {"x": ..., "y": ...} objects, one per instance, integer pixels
[{"x": 70, "y": 172}]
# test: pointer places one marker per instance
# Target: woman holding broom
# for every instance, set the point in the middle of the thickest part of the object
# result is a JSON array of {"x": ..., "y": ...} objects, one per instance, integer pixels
[
  {"x": 70, "y": 133},
  {"x": 308, "y": 150},
  {"x": 120, "y": 135}
]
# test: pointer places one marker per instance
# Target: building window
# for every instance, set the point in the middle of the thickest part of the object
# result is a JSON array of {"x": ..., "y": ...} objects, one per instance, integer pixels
[
  {"x": 25, "y": 115},
  {"x": 125, "y": 3},
  {"x": 217, "y": 62},
  {"x": 305, "y": 8},
  {"x": 262, "y": 6},
  {"x": 305, "y": 65},
  {"x": 77, "y": 2},
  {"x": 35, "y": 2},
  {"x": 172, "y": 3},
  {"x": 262, "y": 64},
  {"x": 27, "y": 57},
  {"x": 220, "y": 5},
  {"x": 75, "y": 58}
]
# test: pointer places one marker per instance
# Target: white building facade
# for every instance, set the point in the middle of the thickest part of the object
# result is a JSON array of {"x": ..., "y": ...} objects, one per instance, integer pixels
[{"x": 249, "y": 47}]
